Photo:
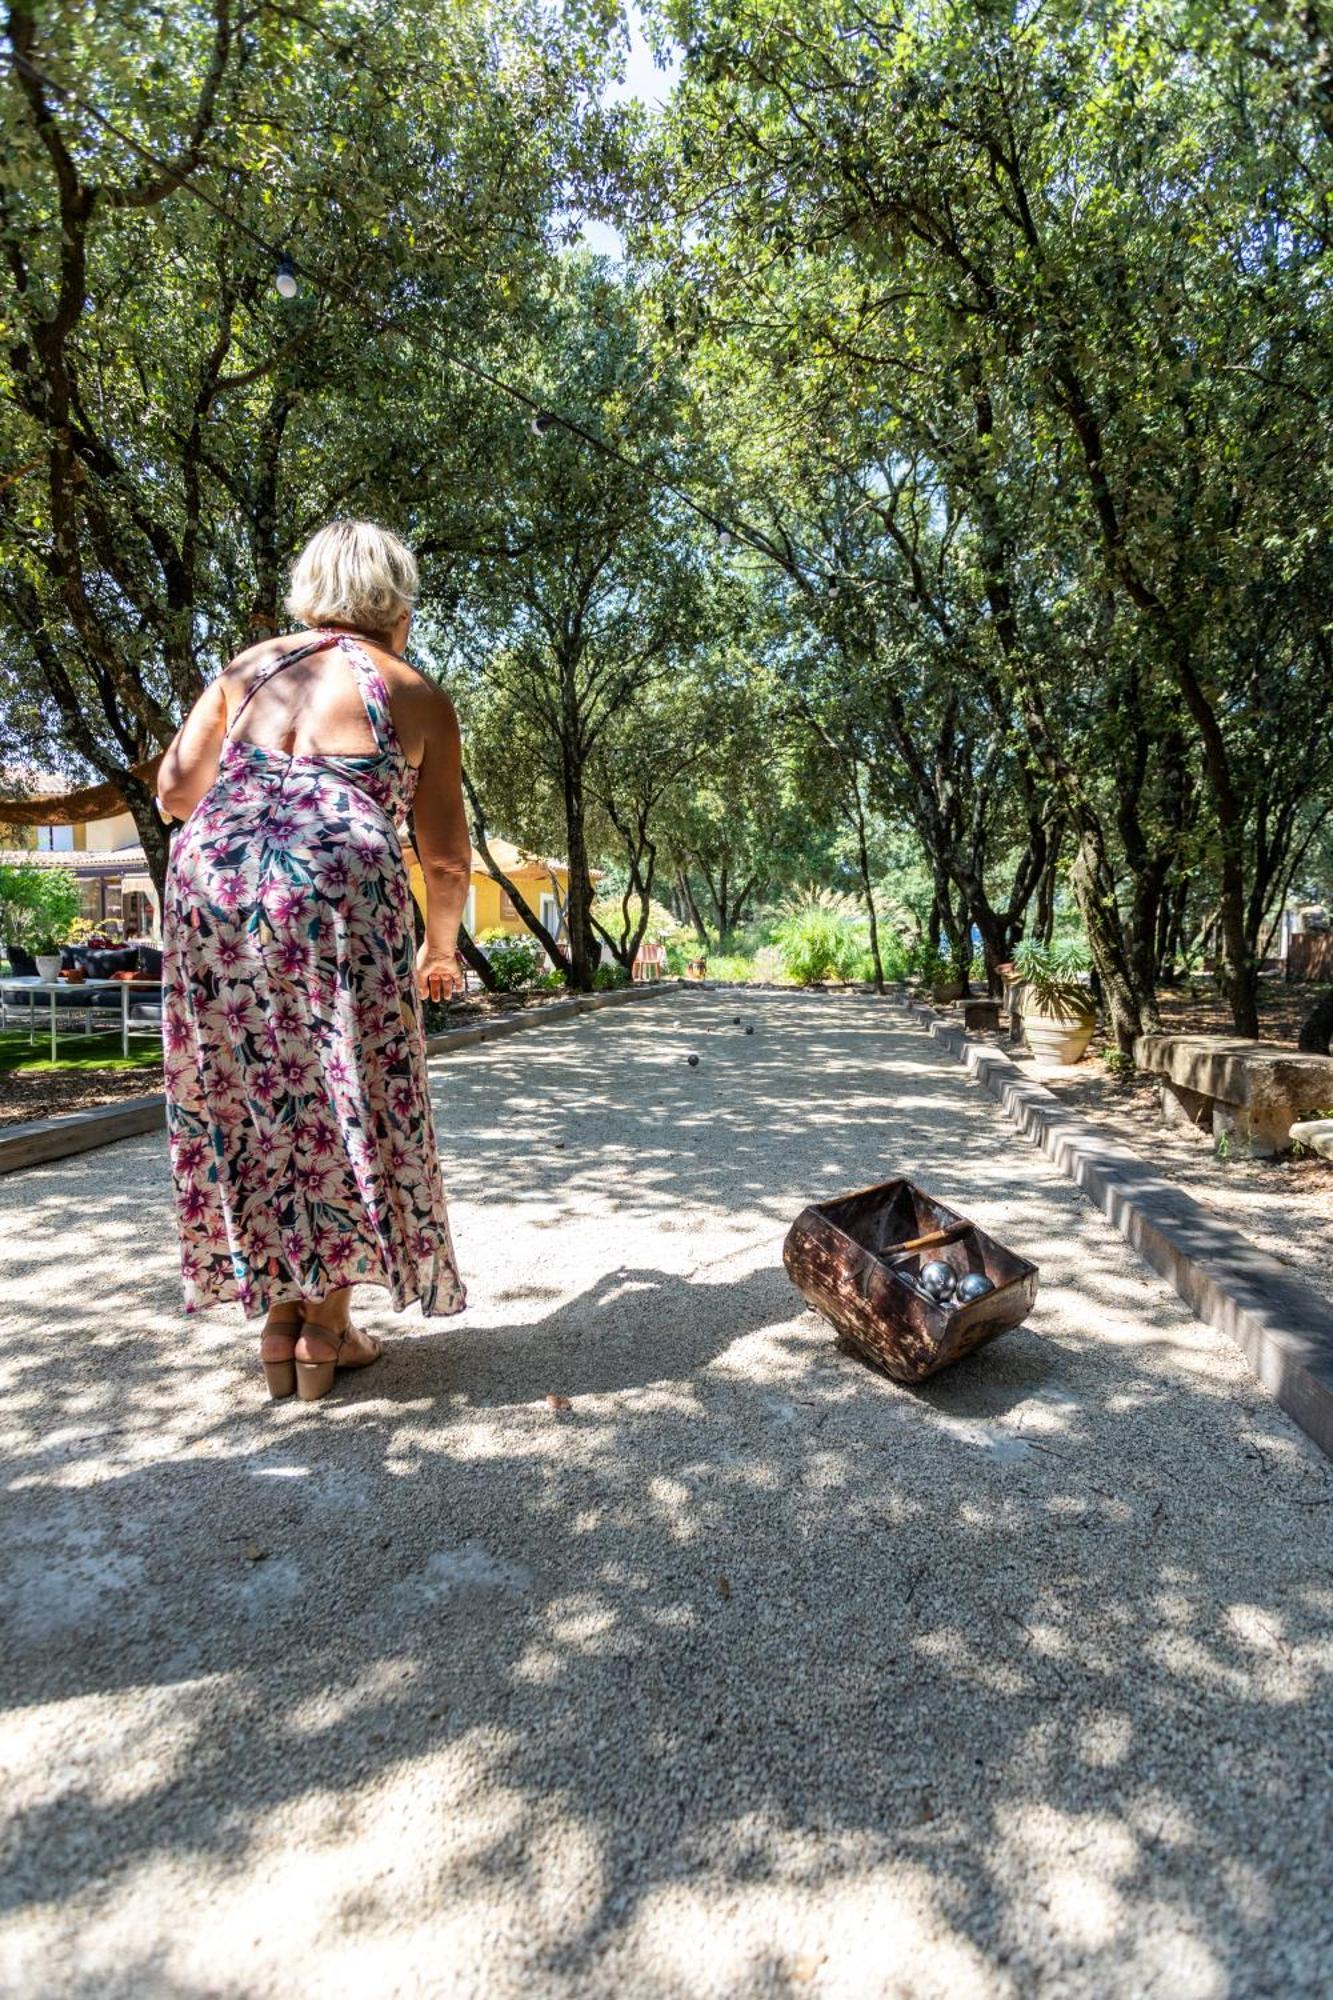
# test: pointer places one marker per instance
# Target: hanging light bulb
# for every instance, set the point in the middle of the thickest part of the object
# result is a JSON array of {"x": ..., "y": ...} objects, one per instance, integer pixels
[
  {"x": 286, "y": 277},
  {"x": 541, "y": 423},
  {"x": 725, "y": 538}
]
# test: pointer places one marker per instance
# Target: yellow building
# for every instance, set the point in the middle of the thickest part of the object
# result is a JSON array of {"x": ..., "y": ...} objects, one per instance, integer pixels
[
  {"x": 104, "y": 855},
  {"x": 543, "y": 884}
]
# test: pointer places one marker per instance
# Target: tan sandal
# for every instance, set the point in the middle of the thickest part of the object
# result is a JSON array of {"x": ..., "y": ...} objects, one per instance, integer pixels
[
  {"x": 277, "y": 1357},
  {"x": 314, "y": 1373}
]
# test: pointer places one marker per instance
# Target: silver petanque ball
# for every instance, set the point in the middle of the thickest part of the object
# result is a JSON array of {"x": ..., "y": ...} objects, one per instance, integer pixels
[
  {"x": 972, "y": 1285},
  {"x": 937, "y": 1281}
]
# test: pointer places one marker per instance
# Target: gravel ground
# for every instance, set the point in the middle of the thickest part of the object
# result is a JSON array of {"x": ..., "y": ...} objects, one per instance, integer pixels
[
  {"x": 39, "y": 1093},
  {"x": 749, "y": 1674}
]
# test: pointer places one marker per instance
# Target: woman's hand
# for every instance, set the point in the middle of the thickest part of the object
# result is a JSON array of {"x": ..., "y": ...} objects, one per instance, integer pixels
[{"x": 439, "y": 975}]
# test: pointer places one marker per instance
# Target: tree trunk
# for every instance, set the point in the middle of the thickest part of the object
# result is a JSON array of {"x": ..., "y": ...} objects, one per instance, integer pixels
[
  {"x": 154, "y": 836},
  {"x": 1101, "y": 919},
  {"x": 1044, "y": 919},
  {"x": 868, "y": 893},
  {"x": 578, "y": 909},
  {"x": 685, "y": 890},
  {"x": 475, "y": 959},
  {"x": 1238, "y": 966}
]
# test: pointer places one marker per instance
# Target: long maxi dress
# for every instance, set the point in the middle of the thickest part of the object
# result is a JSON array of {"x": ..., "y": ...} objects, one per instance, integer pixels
[{"x": 298, "y": 1109}]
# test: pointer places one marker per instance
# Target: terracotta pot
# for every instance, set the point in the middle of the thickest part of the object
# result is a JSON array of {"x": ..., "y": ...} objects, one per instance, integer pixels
[
  {"x": 75, "y": 976},
  {"x": 1057, "y": 1032}
]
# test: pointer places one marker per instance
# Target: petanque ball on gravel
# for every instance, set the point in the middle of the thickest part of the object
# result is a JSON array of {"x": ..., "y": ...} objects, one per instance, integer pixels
[
  {"x": 735, "y": 1020},
  {"x": 972, "y": 1285},
  {"x": 693, "y": 1061},
  {"x": 749, "y": 1031},
  {"x": 937, "y": 1281}
]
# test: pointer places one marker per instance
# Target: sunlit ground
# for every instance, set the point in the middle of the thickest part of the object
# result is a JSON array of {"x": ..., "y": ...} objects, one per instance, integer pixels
[{"x": 754, "y": 1673}]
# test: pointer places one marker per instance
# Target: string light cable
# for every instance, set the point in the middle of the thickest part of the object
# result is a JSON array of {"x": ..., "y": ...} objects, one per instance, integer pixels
[{"x": 289, "y": 268}]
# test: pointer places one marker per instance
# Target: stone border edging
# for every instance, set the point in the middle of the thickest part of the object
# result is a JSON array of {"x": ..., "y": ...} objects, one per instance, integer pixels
[
  {"x": 38, "y": 1140},
  {"x": 1280, "y": 1323}
]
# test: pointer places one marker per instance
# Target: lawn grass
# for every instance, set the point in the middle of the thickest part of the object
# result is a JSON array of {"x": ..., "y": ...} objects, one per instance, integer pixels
[{"x": 75, "y": 1052}]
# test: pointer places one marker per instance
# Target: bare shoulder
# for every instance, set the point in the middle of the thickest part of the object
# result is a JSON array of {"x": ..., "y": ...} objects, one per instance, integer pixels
[{"x": 416, "y": 694}]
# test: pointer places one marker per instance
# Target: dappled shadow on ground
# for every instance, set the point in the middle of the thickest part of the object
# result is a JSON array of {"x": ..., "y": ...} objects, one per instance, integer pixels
[{"x": 751, "y": 1673}]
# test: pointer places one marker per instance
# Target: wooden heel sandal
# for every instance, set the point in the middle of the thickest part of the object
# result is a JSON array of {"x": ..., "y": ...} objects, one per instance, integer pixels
[
  {"x": 314, "y": 1375},
  {"x": 279, "y": 1368}
]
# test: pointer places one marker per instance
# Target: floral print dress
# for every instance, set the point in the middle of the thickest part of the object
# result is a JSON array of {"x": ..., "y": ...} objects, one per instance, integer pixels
[{"x": 298, "y": 1110}]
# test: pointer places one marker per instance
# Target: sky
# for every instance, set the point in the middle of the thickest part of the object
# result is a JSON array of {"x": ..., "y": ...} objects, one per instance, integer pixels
[{"x": 644, "y": 80}]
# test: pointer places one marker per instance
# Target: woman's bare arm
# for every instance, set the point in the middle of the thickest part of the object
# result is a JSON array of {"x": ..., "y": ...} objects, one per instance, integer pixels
[
  {"x": 191, "y": 763},
  {"x": 444, "y": 847}
]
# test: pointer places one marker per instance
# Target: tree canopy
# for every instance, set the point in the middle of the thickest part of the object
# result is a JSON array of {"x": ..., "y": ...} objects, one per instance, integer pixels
[{"x": 943, "y": 462}]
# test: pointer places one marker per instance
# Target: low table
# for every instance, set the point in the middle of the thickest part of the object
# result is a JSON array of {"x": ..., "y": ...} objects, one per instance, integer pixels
[{"x": 16, "y": 988}]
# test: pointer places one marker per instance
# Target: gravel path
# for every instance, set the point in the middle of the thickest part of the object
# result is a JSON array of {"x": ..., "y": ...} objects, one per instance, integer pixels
[{"x": 752, "y": 1674}]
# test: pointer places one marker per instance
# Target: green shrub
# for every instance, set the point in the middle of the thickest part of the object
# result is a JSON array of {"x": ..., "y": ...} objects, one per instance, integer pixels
[
  {"x": 515, "y": 961},
  {"x": 37, "y": 905},
  {"x": 822, "y": 938},
  {"x": 734, "y": 968},
  {"x": 608, "y": 978},
  {"x": 895, "y": 955}
]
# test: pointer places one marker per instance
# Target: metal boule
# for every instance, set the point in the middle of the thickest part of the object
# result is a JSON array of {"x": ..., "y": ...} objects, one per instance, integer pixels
[
  {"x": 937, "y": 1280},
  {"x": 972, "y": 1285}
]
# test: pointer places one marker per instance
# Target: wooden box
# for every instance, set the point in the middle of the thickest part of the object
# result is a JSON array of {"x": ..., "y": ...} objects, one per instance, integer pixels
[{"x": 837, "y": 1256}]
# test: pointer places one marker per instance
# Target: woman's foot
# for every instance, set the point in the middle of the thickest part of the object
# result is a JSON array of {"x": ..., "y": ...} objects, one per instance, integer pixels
[
  {"x": 277, "y": 1349},
  {"x": 323, "y": 1348}
]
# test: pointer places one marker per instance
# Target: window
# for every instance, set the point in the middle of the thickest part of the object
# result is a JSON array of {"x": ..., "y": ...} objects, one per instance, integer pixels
[{"x": 55, "y": 839}]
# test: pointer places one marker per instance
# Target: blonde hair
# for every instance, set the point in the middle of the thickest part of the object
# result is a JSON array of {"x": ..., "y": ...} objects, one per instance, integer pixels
[{"x": 353, "y": 573}]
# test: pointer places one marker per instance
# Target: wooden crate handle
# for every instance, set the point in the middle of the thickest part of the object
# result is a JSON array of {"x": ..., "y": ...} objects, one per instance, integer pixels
[{"x": 935, "y": 1239}]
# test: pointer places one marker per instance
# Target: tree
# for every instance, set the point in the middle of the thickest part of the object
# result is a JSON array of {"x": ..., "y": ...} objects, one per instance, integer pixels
[
  {"x": 587, "y": 588},
  {"x": 172, "y": 428},
  {"x": 1074, "y": 275}
]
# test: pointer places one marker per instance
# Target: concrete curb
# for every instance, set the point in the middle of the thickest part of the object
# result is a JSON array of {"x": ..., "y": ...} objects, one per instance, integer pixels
[
  {"x": 1279, "y": 1322},
  {"x": 42, "y": 1139}
]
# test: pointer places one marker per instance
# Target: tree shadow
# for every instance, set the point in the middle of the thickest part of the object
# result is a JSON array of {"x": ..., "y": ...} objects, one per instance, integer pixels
[{"x": 752, "y": 1672}]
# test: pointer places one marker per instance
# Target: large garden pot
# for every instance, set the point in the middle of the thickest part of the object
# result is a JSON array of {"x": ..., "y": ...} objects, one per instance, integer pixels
[
  {"x": 48, "y": 966},
  {"x": 1056, "y": 1031}
]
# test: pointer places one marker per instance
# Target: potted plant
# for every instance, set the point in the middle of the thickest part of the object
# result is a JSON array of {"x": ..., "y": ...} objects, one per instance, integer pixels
[
  {"x": 1057, "y": 1010},
  {"x": 37, "y": 908}
]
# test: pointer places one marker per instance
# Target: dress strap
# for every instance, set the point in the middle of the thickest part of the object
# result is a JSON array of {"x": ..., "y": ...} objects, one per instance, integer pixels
[
  {"x": 315, "y": 645},
  {"x": 370, "y": 685}
]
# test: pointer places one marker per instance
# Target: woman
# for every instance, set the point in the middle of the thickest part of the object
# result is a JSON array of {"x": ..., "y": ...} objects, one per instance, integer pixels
[{"x": 298, "y": 1108}]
